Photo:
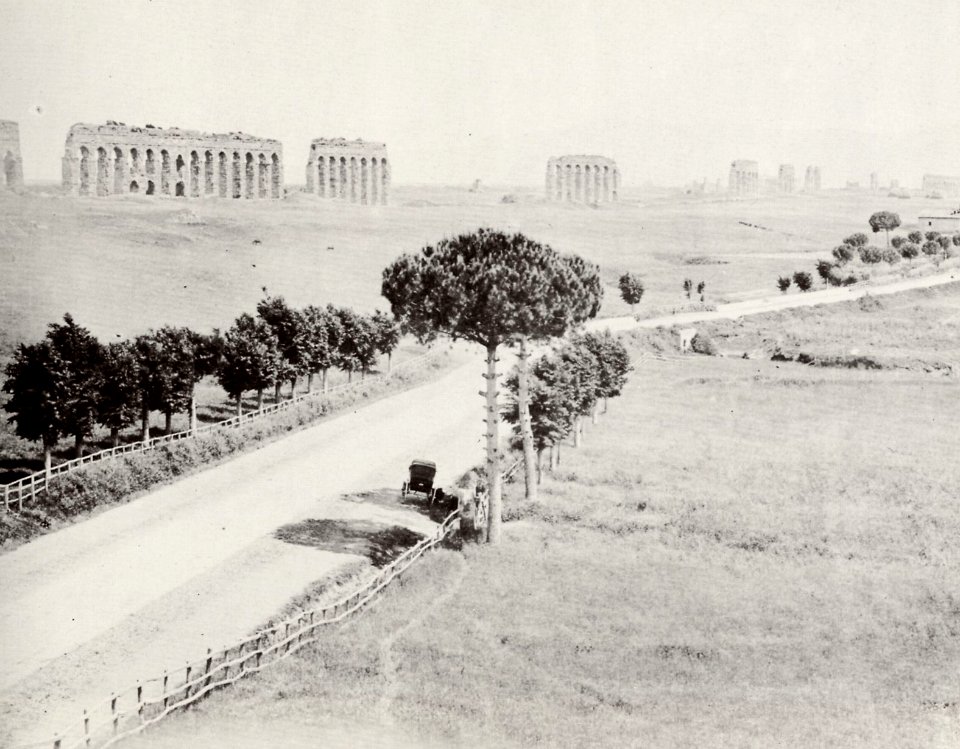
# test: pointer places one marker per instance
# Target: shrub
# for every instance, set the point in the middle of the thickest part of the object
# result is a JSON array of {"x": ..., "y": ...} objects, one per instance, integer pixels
[
  {"x": 870, "y": 254},
  {"x": 944, "y": 241},
  {"x": 844, "y": 253},
  {"x": 931, "y": 236},
  {"x": 849, "y": 280},
  {"x": 783, "y": 283},
  {"x": 897, "y": 241},
  {"x": 701, "y": 343},
  {"x": 909, "y": 250},
  {"x": 803, "y": 280},
  {"x": 931, "y": 248},
  {"x": 956, "y": 240},
  {"x": 915, "y": 237},
  {"x": 891, "y": 256}
]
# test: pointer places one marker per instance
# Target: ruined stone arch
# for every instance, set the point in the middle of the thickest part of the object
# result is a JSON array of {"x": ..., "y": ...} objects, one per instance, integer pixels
[
  {"x": 343, "y": 177},
  {"x": 322, "y": 176},
  {"x": 9, "y": 169},
  {"x": 165, "y": 172},
  {"x": 364, "y": 179},
  {"x": 384, "y": 180},
  {"x": 119, "y": 171},
  {"x": 151, "y": 189},
  {"x": 276, "y": 176},
  {"x": 249, "y": 176},
  {"x": 135, "y": 163},
  {"x": 134, "y": 187},
  {"x": 237, "y": 181},
  {"x": 263, "y": 168},
  {"x": 181, "y": 176},
  {"x": 208, "y": 188},
  {"x": 374, "y": 180},
  {"x": 354, "y": 179},
  {"x": 334, "y": 175},
  {"x": 150, "y": 166},
  {"x": 223, "y": 180},
  {"x": 606, "y": 183}
]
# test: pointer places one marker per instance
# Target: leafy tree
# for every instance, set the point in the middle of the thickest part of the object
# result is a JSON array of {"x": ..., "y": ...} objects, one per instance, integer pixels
[
  {"x": 323, "y": 333},
  {"x": 387, "y": 334},
  {"x": 931, "y": 248},
  {"x": 631, "y": 289},
  {"x": 897, "y": 242},
  {"x": 783, "y": 283},
  {"x": 700, "y": 287},
  {"x": 956, "y": 240},
  {"x": 493, "y": 289},
  {"x": 943, "y": 241},
  {"x": 844, "y": 253},
  {"x": 825, "y": 270},
  {"x": 856, "y": 240},
  {"x": 252, "y": 359},
  {"x": 582, "y": 369},
  {"x": 613, "y": 363},
  {"x": 118, "y": 394},
  {"x": 870, "y": 254},
  {"x": 884, "y": 221},
  {"x": 909, "y": 250},
  {"x": 53, "y": 387},
  {"x": 687, "y": 286},
  {"x": 289, "y": 327},
  {"x": 915, "y": 237},
  {"x": 803, "y": 280},
  {"x": 168, "y": 373},
  {"x": 932, "y": 236},
  {"x": 358, "y": 344},
  {"x": 891, "y": 256}
]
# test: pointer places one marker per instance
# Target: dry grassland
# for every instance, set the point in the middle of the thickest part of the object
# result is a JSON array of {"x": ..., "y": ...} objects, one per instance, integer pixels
[{"x": 743, "y": 553}]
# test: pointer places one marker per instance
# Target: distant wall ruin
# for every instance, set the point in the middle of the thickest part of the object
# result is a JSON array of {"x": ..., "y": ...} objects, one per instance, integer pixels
[
  {"x": 811, "y": 179},
  {"x": 353, "y": 170},
  {"x": 583, "y": 179},
  {"x": 115, "y": 159},
  {"x": 12, "y": 167},
  {"x": 744, "y": 178},
  {"x": 786, "y": 179}
]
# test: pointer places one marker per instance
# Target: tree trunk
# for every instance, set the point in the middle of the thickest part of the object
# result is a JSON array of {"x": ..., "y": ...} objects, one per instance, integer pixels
[
  {"x": 144, "y": 423},
  {"x": 78, "y": 445},
  {"x": 309, "y": 382},
  {"x": 240, "y": 405},
  {"x": 349, "y": 375},
  {"x": 577, "y": 435},
  {"x": 595, "y": 412},
  {"x": 389, "y": 361},
  {"x": 605, "y": 403},
  {"x": 363, "y": 374},
  {"x": 558, "y": 453},
  {"x": 47, "y": 459},
  {"x": 553, "y": 458},
  {"x": 168, "y": 421},
  {"x": 323, "y": 381},
  {"x": 293, "y": 388},
  {"x": 259, "y": 399},
  {"x": 276, "y": 391},
  {"x": 493, "y": 449},
  {"x": 114, "y": 436},
  {"x": 526, "y": 427},
  {"x": 539, "y": 465},
  {"x": 193, "y": 412}
]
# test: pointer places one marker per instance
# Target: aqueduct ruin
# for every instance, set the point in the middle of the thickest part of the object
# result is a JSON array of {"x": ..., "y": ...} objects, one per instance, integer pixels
[
  {"x": 583, "y": 179},
  {"x": 12, "y": 167},
  {"x": 353, "y": 170},
  {"x": 115, "y": 159}
]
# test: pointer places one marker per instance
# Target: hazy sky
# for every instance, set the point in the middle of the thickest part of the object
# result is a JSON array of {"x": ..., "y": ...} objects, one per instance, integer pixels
[{"x": 673, "y": 89}]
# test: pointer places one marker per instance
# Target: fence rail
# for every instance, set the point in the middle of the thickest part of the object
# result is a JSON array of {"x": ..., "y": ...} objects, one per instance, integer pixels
[
  {"x": 21, "y": 490},
  {"x": 132, "y": 710}
]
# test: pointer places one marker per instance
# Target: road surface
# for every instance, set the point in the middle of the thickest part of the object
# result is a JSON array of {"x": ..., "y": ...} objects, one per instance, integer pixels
[{"x": 147, "y": 585}]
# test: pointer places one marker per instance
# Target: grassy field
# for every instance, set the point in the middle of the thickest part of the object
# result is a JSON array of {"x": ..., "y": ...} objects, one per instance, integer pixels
[{"x": 743, "y": 553}]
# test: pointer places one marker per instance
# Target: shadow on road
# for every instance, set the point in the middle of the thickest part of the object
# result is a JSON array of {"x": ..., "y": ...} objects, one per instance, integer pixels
[{"x": 379, "y": 542}]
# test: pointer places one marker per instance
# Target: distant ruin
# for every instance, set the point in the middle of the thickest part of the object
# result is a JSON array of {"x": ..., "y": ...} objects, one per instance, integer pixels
[
  {"x": 10, "y": 153},
  {"x": 811, "y": 180},
  {"x": 353, "y": 170},
  {"x": 942, "y": 185},
  {"x": 115, "y": 159},
  {"x": 744, "y": 178},
  {"x": 786, "y": 179},
  {"x": 583, "y": 179}
]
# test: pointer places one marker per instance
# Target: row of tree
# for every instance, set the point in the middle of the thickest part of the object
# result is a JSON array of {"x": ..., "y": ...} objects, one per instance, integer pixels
[
  {"x": 567, "y": 385},
  {"x": 67, "y": 383}
]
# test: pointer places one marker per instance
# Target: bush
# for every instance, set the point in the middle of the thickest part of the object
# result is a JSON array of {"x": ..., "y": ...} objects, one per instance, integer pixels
[
  {"x": 701, "y": 343},
  {"x": 849, "y": 280},
  {"x": 896, "y": 242},
  {"x": 915, "y": 237},
  {"x": 803, "y": 280},
  {"x": 857, "y": 240},
  {"x": 870, "y": 254},
  {"x": 956, "y": 240},
  {"x": 844, "y": 253},
  {"x": 944, "y": 241},
  {"x": 783, "y": 283},
  {"x": 891, "y": 256},
  {"x": 909, "y": 250},
  {"x": 932, "y": 236},
  {"x": 931, "y": 248},
  {"x": 825, "y": 270}
]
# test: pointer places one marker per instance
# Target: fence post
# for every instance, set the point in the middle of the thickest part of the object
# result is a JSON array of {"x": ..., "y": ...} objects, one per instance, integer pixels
[
  {"x": 286, "y": 637},
  {"x": 56, "y": 741},
  {"x": 140, "y": 700},
  {"x": 6, "y": 496},
  {"x": 113, "y": 712},
  {"x": 186, "y": 681},
  {"x": 206, "y": 669},
  {"x": 166, "y": 676},
  {"x": 86, "y": 728},
  {"x": 259, "y": 650}
]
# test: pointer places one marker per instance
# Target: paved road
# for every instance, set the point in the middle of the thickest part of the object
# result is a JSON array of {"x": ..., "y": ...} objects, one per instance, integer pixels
[{"x": 146, "y": 585}]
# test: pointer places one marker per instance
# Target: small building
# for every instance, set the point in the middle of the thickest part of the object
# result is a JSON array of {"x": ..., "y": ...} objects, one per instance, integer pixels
[{"x": 943, "y": 224}]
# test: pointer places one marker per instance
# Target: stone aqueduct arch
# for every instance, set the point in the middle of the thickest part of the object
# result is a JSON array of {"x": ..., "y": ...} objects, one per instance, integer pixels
[
  {"x": 583, "y": 179},
  {"x": 114, "y": 159},
  {"x": 353, "y": 170},
  {"x": 11, "y": 163}
]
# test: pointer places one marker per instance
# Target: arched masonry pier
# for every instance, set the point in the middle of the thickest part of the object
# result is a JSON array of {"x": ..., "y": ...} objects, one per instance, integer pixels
[
  {"x": 356, "y": 171},
  {"x": 583, "y": 179},
  {"x": 11, "y": 163},
  {"x": 114, "y": 159}
]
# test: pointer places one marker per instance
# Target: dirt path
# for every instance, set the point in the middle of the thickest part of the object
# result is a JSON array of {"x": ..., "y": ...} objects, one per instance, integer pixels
[{"x": 97, "y": 606}]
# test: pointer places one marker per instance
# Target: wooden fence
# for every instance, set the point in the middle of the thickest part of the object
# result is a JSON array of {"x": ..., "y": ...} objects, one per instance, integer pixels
[
  {"x": 16, "y": 492},
  {"x": 132, "y": 710}
]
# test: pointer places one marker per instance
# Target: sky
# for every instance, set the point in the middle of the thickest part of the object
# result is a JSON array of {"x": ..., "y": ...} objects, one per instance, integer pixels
[{"x": 674, "y": 90}]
